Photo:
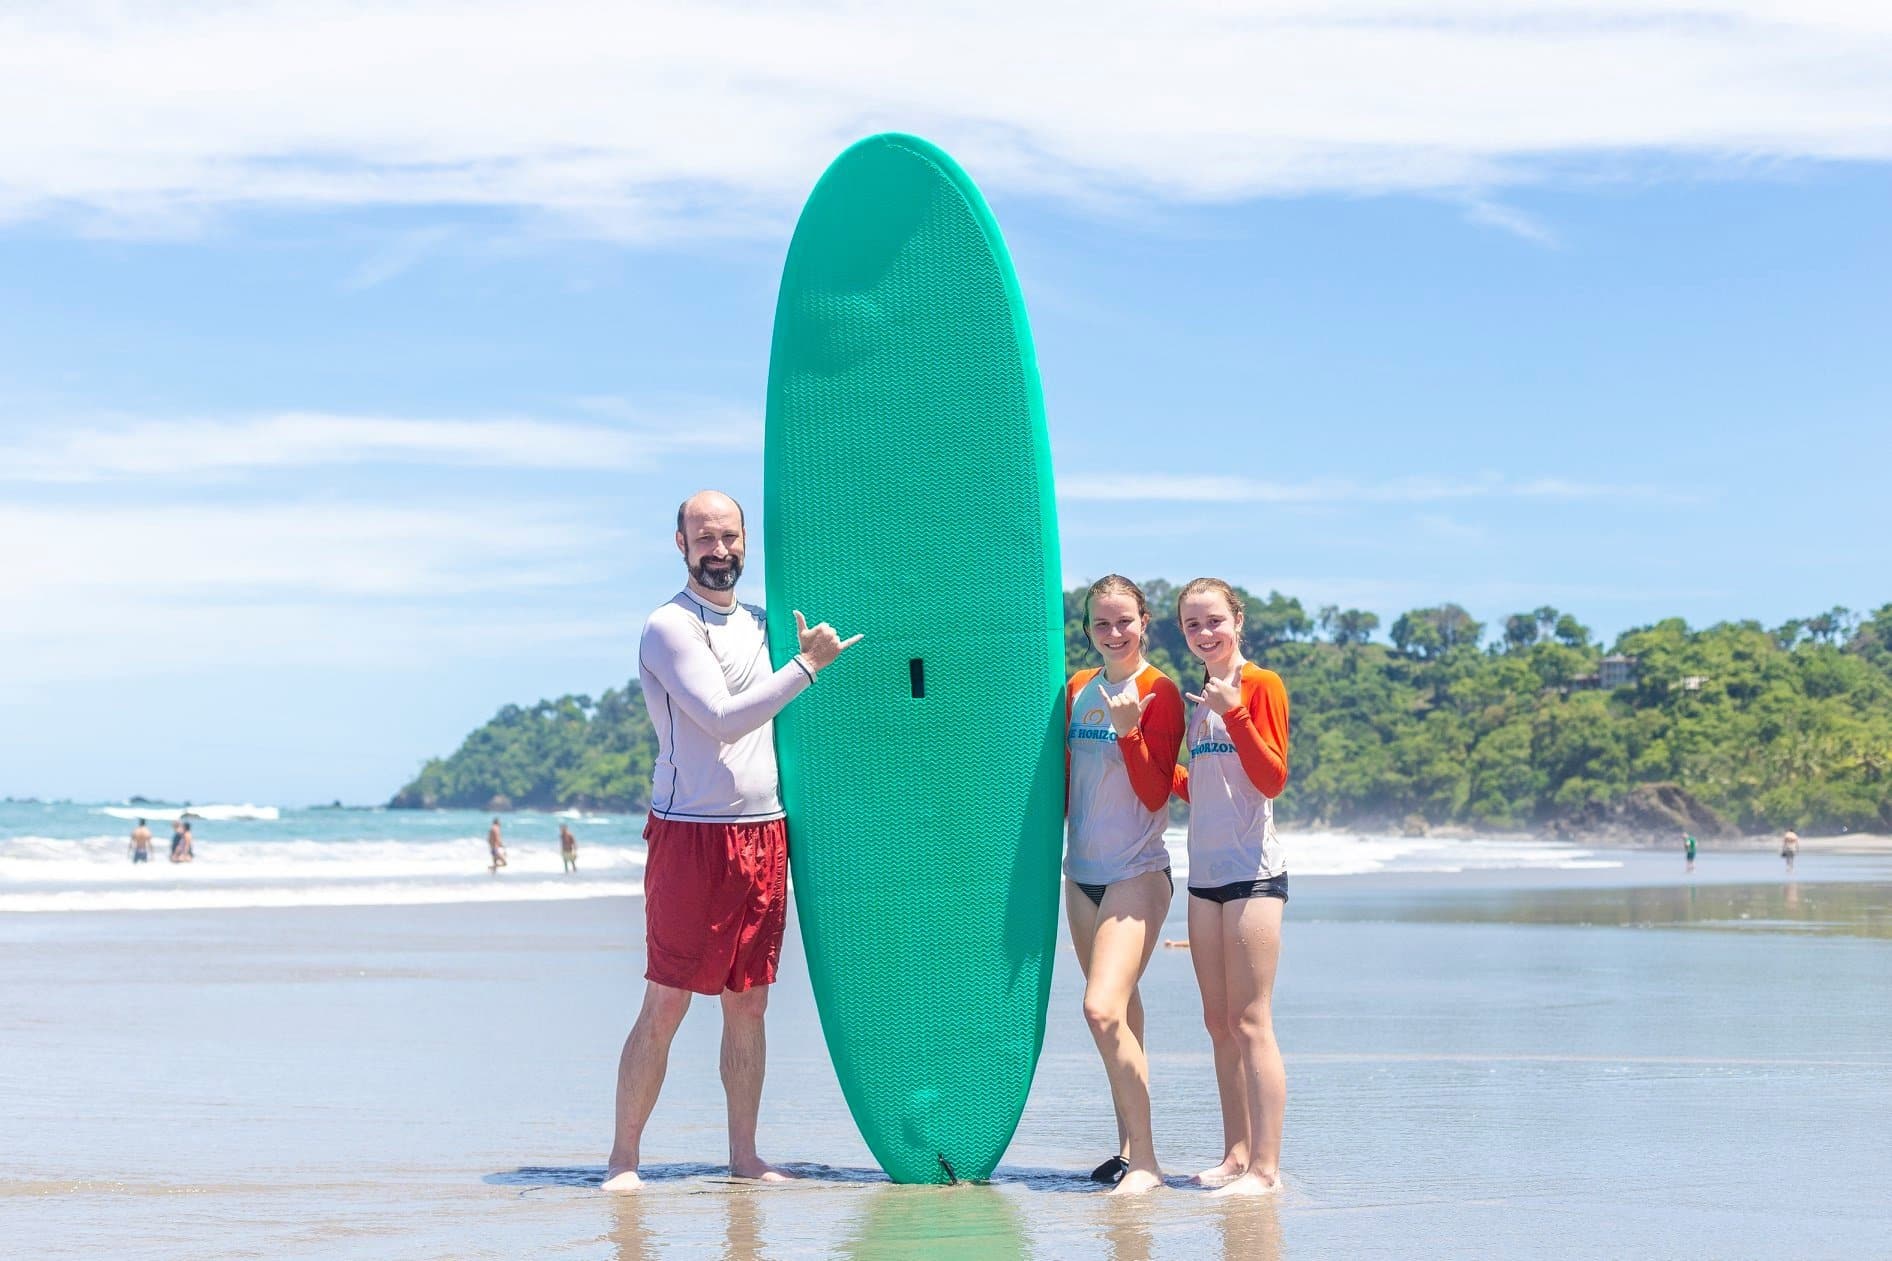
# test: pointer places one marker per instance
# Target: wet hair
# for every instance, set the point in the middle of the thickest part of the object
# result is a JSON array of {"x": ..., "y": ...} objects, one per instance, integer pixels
[
  {"x": 686, "y": 503},
  {"x": 1114, "y": 584},
  {"x": 1196, "y": 586}
]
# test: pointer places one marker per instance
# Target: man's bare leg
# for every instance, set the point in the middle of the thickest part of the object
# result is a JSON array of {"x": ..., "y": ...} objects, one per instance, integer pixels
[
  {"x": 1208, "y": 953},
  {"x": 745, "y": 1054},
  {"x": 641, "y": 1069}
]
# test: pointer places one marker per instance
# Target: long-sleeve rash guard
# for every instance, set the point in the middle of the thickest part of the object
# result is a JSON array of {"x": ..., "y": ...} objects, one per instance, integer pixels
[
  {"x": 1118, "y": 787},
  {"x": 1238, "y": 764},
  {"x": 712, "y": 697}
]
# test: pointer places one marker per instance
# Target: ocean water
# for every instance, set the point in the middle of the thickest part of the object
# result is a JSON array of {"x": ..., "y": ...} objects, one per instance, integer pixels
[{"x": 73, "y": 856}]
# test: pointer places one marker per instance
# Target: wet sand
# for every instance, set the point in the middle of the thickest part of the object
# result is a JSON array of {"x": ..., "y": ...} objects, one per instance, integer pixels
[{"x": 1576, "y": 1064}]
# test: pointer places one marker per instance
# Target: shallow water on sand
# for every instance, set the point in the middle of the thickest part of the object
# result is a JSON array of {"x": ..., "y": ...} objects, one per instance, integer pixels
[{"x": 1530, "y": 1070}]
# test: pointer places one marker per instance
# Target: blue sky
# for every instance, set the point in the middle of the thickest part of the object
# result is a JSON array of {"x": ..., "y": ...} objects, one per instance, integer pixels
[{"x": 327, "y": 426}]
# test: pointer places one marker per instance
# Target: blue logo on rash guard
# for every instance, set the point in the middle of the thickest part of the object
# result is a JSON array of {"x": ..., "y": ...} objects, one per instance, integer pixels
[
  {"x": 1091, "y": 733},
  {"x": 1210, "y": 746}
]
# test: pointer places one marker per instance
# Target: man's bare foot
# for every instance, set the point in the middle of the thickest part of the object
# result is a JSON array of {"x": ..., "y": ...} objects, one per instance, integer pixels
[
  {"x": 1250, "y": 1184},
  {"x": 759, "y": 1171},
  {"x": 1220, "y": 1176},
  {"x": 1137, "y": 1181},
  {"x": 622, "y": 1180}
]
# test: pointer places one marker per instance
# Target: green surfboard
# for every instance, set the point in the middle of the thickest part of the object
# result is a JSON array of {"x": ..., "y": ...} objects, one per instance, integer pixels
[{"x": 908, "y": 498}]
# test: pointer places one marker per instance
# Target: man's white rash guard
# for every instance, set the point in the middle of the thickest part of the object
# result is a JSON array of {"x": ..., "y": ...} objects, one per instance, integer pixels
[{"x": 712, "y": 697}]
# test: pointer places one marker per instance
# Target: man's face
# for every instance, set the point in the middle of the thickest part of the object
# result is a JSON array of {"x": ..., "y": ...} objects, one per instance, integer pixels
[{"x": 712, "y": 546}]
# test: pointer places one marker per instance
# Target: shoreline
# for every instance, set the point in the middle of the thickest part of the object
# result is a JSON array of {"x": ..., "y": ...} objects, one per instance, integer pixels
[{"x": 1852, "y": 843}]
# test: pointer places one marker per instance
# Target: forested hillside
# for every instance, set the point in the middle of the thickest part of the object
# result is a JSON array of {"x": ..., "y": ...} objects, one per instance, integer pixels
[{"x": 1444, "y": 720}]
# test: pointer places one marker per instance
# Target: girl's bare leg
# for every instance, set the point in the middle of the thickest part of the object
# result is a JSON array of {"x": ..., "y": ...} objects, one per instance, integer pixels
[
  {"x": 1252, "y": 940},
  {"x": 1207, "y": 951},
  {"x": 1128, "y": 925}
]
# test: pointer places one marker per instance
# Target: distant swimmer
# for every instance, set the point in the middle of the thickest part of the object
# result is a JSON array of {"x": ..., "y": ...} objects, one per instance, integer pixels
[
  {"x": 568, "y": 847},
  {"x": 1688, "y": 850},
  {"x": 716, "y": 876},
  {"x": 1238, "y": 880},
  {"x": 141, "y": 843},
  {"x": 1790, "y": 847},
  {"x": 1123, "y": 728},
  {"x": 181, "y": 850},
  {"x": 495, "y": 846}
]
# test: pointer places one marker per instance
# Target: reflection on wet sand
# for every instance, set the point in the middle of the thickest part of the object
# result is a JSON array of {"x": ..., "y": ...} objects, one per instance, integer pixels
[
  {"x": 965, "y": 1223},
  {"x": 1127, "y": 1229},
  {"x": 630, "y": 1233},
  {"x": 1251, "y": 1230},
  {"x": 742, "y": 1225},
  {"x": 656, "y": 1220},
  {"x": 1840, "y": 909}
]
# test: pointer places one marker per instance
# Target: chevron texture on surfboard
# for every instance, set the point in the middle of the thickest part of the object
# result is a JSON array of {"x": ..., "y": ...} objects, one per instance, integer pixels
[{"x": 909, "y": 497}]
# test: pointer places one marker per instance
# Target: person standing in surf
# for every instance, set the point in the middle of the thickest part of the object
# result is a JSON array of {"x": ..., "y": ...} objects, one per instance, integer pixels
[
  {"x": 1124, "y": 725},
  {"x": 495, "y": 847},
  {"x": 567, "y": 848},
  {"x": 1238, "y": 880},
  {"x": 716, "y": 877},
  {"x": 141, "y": 843}
]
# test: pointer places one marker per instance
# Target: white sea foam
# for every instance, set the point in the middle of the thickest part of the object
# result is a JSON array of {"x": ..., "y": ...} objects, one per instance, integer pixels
[
  {"x": 40, "y": 873},
  {"x": 220, "y": 814},
  {"x": 1356, "y": 854}
]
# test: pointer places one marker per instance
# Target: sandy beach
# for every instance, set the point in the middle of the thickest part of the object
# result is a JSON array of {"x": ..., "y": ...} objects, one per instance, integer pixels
[{"x": 1558, "y": 1063}]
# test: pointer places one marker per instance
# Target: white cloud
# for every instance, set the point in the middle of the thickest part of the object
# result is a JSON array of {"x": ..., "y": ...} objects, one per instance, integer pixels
[
  {"x": 1188, "y": 488},
  {"x": 1512, "y": 220},
  {"x": 97, "y": 451},
  {"x": 404, "y": 252},
  {"x": 91, "y": 592},
  {"x": 134, "y": 638},
  {"x": 173, "y": 555},
  {"x": 707, "y": 117}
]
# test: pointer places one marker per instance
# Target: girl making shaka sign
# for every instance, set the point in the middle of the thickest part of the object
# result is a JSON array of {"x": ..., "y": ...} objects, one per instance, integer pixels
[
  {"x": 1238, "y": 880},
  {"x": 1124, "y": 727}
]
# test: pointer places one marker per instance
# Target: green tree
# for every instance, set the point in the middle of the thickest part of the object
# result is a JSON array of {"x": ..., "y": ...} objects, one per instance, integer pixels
[{"x": 1770, "y": 728}]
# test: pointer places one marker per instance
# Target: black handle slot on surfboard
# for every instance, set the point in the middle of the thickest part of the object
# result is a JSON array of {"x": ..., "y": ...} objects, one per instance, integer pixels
[{"x": 916, "y": 675}]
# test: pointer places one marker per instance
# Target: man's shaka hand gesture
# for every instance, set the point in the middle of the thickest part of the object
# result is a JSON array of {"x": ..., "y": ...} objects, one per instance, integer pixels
[{"x": 820, "y": 645}]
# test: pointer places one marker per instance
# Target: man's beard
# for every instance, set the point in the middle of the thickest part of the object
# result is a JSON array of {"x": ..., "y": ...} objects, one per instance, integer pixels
[{"x": 714, "y": 579}]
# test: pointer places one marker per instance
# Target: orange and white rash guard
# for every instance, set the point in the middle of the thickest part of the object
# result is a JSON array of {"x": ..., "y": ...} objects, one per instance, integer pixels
[
  {"x": 1118, "y": 789},
  {"x": 1238, "y": 764}
]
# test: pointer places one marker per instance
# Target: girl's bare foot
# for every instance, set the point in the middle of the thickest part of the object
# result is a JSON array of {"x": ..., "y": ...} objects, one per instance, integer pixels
[
  {"x": 1220, "y": 1176},
  {"x": 1137, "y": 1181},
  {"x": 1250, "y": 1184}
]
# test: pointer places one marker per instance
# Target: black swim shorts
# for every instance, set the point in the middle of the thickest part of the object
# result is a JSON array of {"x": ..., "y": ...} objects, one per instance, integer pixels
[
  {"x": 1272, "y": 887},
  {"x": 1095, "y": 892}
]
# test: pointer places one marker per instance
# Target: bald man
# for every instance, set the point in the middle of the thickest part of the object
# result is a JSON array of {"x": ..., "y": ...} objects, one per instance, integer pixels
[{"x": 716, "y": 880}]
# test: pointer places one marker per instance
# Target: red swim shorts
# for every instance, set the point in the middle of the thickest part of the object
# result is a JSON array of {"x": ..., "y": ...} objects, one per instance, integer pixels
[{"x": 715, "y": 903}]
